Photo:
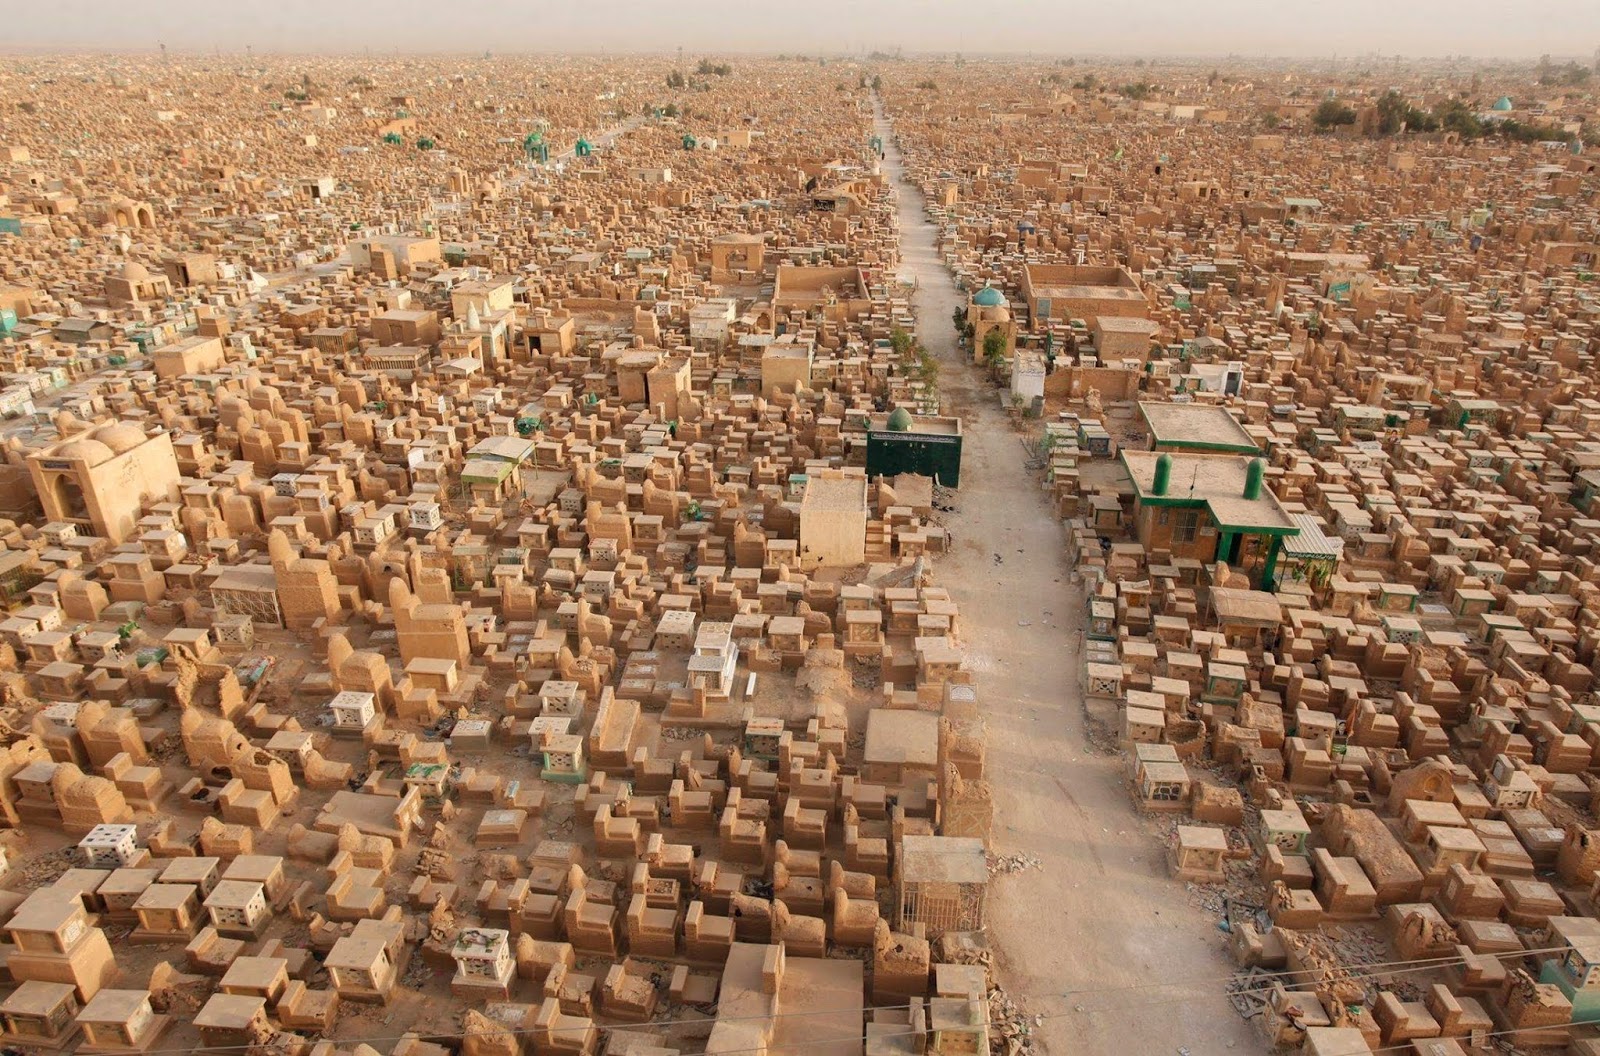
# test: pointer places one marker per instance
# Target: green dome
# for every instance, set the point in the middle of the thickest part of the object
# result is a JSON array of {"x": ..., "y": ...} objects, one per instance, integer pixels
[
  {"x": 1503, "y": 103},
  {"x": 899, "y": 420},
  {"x": 988, "y": 297}
]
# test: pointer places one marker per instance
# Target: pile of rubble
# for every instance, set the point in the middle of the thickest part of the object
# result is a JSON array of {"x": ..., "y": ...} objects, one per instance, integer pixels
[
  {"x": 1005, "y": 864},
  {"x": 1011, "y": 1029}
]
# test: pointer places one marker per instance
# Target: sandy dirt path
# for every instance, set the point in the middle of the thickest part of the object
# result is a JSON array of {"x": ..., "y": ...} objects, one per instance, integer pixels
[{"x": 1100, "y": 913}]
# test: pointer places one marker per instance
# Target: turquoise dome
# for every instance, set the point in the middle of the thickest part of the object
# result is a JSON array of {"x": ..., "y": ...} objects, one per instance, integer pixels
[
  {"x": 988, "y": 297},
  {"x": 1503, "y": 103}
]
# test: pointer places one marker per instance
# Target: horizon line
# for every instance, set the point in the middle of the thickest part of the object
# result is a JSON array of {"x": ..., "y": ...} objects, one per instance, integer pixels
[{"x": 12, "y": 50}]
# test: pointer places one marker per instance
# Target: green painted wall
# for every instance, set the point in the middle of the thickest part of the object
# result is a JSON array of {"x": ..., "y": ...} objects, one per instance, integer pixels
[{"x": 939, "y": 457}]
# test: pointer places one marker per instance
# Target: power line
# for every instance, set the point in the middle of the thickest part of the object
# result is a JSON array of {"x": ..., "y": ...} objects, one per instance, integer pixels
[
  {"x": 1420, "y": 964},
  {"x": 1379, "y": 969},
  {"x": 1407, "y": 1046}
]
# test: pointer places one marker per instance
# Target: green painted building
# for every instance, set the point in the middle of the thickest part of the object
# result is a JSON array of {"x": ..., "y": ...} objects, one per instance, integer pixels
[
  {"x": 1209, "y": 508},
  {"x": 1577, "y": 971},
  {"x": 927, "y": 445}
]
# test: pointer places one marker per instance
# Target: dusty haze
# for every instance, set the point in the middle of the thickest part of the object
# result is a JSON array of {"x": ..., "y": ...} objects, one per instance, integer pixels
[{"x": 1247, "y": 27}]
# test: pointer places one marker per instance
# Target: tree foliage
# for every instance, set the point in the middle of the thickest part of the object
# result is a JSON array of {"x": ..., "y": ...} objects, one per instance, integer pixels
[
  {"x": 1570, "y": 75},
  {"x": 1456, "y": 116},
  {"x": 915, "y": 360},
  {"x": 1396, "y": 114},
  {"x": 1331, "y": 113},
  {"x": 994, "y": 346}
]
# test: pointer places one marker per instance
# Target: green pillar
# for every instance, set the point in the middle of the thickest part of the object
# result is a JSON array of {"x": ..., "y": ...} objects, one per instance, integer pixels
[
  {"x": 1269, "y": 570},
  {"x": 1224, "y": 546}
]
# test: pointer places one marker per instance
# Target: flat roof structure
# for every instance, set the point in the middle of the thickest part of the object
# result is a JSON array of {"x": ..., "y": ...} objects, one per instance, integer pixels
[
  {"x": 1249, "y": 608},
  {"x": 904, "y": 737},
  {"x": 486, "y": 470},
  {"x": 508, "y": 448},
  {"x": 1076, "y": 282},
  {"x": 816, "y": 1006},
  {"x": 1123, "y": 324},
  {"x": 838, "y": 493},
  {"x": 1194, "y": 427},
  {"x": 927, "y": 424},
  {"x": 1215, "y": 482},
  {"x": 1312, "y": 543},
  {"x": 943, "y": 859}
]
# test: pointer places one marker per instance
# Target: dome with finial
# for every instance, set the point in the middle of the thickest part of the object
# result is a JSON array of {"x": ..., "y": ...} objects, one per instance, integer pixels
[
  {"x": 989, "y": 297},
  {"x": 1503, "y": 104}
]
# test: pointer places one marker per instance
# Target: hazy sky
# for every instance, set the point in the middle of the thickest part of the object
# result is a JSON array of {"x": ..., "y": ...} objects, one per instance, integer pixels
[{"x": 1497, "y": 29}]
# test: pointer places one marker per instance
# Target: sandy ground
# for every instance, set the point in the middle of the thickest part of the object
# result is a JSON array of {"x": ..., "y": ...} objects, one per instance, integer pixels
[{"x": 1100, "y": 916}]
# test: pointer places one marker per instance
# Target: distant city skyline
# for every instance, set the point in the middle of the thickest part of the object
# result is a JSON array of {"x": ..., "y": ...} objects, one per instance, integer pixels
[{"x": 1166, "y": 28}]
